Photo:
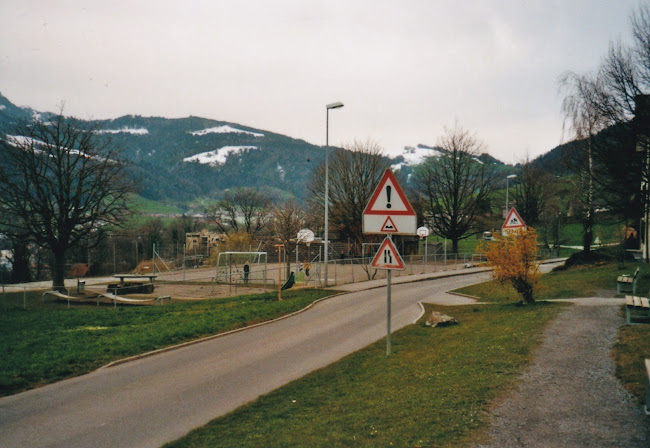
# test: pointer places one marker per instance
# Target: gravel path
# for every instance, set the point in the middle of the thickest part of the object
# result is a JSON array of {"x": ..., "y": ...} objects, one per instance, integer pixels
[{"x": 569, "y": 396}]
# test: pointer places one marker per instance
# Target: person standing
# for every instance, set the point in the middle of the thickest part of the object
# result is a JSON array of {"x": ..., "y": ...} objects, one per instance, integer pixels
[{"x": 247, "y": 270}]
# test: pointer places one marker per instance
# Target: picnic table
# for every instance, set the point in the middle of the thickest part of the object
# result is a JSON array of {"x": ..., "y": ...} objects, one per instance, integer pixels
[
  {"x": 132, "y": 286},
  {"x": 151, "y": 277}
]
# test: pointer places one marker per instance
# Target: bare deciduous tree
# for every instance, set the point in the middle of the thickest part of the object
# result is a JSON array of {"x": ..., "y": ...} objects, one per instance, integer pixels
[
  {"x": 251, "y": 204},
  {"x": 354, "y": 174},
  {"x": 455, "y": 188},
  {"x": 530, "y": 193},
  {"x": 61, "y": 184},
  {"x": 286, "y": 221},
  {"x": 583, "y": 112}
]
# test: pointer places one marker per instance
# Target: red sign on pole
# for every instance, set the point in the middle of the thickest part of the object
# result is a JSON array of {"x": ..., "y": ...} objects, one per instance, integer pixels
[
  {"x": 513, "y": 224},
  {"x": 388, "y": 210},
  {"x": 387, "y": 257}
]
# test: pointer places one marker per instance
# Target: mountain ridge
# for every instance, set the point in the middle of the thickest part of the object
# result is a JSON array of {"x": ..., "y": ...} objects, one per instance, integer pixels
[{"x": 178, "y": 160}]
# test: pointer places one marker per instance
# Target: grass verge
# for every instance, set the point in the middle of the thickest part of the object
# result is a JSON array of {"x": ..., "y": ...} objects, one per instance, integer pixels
[
  {"x": 631, "y": 349},
  {"x": 580, "y": 281},
  {"x": 48, "y": 342},
  {"x": 433, "y": 390}
]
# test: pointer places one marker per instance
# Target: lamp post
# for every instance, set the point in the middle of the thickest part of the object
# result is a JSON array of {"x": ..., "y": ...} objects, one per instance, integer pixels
[
  {"x": 509, "y": 176},
  {"x": 336, "y": 105}
]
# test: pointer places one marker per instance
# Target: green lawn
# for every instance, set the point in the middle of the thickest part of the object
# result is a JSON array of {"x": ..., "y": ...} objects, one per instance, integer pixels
[
  {"x": 48, "y": 342},
  {"x": 576, "y": 282},
  {"x": 630, "y": 351},
  {"x": 434, "y": 390}
]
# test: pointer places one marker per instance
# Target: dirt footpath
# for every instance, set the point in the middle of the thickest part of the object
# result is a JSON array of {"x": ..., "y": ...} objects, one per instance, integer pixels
[{"x": 569, "y": 396}]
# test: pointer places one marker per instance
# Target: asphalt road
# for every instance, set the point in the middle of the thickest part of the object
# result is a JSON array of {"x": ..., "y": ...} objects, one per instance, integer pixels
[{"x": 157, "y": 399}]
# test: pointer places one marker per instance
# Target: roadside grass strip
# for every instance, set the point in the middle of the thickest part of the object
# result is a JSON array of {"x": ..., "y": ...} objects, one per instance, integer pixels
[
  {"x": 583, "y": 281},
  {"x": 434, "y": 390},
  {"x": 631, "y": 349},
  {"x": 49, "y": 342}
]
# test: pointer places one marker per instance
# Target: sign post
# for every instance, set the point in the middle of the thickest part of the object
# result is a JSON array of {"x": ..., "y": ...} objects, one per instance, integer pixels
[
  {"x": 388, "y": 258},
  {"x": 388, "y": 212}
]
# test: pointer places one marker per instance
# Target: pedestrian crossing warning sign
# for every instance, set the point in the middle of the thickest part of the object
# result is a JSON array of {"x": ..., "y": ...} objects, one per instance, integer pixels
[
  {"x": 513, "y": 224},
  {"x": 387, "y": 257}
]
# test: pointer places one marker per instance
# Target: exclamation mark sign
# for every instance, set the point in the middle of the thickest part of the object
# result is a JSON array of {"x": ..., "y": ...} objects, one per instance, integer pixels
[{"x": 388, "y": 189}]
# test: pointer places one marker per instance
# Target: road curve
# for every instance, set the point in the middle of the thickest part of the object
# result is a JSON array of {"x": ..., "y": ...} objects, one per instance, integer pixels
[{"x": 157, "y": 399}]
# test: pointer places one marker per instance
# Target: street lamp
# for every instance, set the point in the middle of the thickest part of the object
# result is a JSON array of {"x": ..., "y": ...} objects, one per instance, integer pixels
[
  {"x": 509, "y": 176},
  {"x": 336, "y": 105}
]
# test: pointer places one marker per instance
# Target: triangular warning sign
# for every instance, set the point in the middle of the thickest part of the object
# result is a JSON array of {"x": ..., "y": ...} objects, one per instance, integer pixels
[
  {"x": 387, "y": 257},
  {"x": 388, "y": 198},
  {"x": 389, "y": 226},
  {"x": 513, "y": 220}
]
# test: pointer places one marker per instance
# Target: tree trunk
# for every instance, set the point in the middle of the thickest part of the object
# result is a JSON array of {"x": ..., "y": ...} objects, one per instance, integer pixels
[
  {"x": 20, "y": 263},
  {"x": 589, "y": 221},
  {"x": 525, "y": 289},
  {"x": 58, "y": 270},
  {"x": 454, "y": 245}
]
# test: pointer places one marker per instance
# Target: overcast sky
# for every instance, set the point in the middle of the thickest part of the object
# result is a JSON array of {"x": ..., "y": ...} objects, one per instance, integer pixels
[{"x": 404, "y": 69}]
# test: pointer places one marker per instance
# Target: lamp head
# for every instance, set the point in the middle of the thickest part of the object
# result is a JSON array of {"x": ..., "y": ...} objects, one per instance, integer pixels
[
  {"x": 511, "y": 176},
  {"x": 334, "y": 105}
]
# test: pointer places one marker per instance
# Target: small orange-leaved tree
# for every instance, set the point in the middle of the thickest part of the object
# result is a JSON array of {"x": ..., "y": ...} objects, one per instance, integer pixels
[{"x": 514, "y": 261}]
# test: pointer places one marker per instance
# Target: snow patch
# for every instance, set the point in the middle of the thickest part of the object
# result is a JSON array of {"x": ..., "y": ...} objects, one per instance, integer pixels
[
  {"x": 281, "y": 172},
  {"x": 22, "y": 141},
  {"x": 415, "y": 155},
  {"x": 124, "y": 130},
  {"x": 225, "y": 129},
  {"x": 218, "y": 156},
  {"x": 2, "y": 107}
]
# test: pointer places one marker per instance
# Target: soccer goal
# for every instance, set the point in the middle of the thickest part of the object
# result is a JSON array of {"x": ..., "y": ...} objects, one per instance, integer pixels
[{"x": 241, "y": 267}]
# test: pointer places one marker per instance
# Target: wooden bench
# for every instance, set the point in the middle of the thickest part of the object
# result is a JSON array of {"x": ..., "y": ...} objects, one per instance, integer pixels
[
  {"x": 627, "y": 281},
  {"x": 647, "y": 389},
  {"x": 636, "y": 308}
]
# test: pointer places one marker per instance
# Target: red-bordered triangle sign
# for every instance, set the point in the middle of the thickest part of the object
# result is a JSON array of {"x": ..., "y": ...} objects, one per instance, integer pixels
[
  {"x": 389, "y": 226},
  {"x": 387, "y": 257},
  {"x": 513, "y": 221},
  {"x": 388, "y": 198}
]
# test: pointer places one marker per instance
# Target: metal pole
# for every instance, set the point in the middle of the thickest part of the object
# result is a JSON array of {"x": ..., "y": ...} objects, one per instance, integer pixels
[
  {"x": 425, "y": 254},
  {"x": 327, "y": 193},
  {"x": 507, "y": 178},
  {"x": 184, "y": 261},
  {"x": 279, "y": 247},
  {"x": 388, "y": 313},
  {"x": 445, "y": 250}
]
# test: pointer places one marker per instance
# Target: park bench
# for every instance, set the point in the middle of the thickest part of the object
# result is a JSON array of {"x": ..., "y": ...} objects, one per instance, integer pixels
[
  {"x": 636, "y": 308},
  {"x": 627, "y": 281},
  {"x": 647, "y": 388}
]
